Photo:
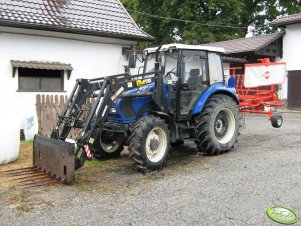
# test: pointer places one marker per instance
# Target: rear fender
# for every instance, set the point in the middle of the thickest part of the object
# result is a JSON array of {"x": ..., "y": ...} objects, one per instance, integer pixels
[{"x": 218, "y": 88}]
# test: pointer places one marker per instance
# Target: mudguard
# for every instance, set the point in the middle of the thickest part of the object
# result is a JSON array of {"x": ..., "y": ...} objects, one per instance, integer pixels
[{"x": 214, "y": 89}]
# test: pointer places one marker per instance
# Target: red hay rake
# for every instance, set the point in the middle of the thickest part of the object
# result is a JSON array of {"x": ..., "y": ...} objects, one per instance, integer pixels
[{"x": 260, "y": 99}]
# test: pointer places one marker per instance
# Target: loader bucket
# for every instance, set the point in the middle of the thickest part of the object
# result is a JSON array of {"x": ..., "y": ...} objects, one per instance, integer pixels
[{"x": 55, "y": 157}]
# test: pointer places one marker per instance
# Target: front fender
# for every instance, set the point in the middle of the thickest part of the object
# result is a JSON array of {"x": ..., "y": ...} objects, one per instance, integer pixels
[{"x": 218, "y": 88}]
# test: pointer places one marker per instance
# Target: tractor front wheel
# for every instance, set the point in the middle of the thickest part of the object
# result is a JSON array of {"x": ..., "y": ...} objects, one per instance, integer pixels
[
  {"x": 149, "y": 143},
  {"x": 218, "y": 125},
  {"x": 108, "y": 145}
]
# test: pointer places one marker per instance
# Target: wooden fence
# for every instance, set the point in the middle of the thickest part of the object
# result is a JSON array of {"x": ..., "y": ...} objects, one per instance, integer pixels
[{"x": 48, "y": 108}]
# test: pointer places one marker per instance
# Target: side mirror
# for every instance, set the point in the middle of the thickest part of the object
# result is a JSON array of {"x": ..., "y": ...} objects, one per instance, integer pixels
[{"x": 132, "y": 61}]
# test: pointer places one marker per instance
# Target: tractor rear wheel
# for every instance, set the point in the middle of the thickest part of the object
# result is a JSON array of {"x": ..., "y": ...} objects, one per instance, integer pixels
[
  {"x": 218, "y": 125},
  {"x": 108, "y": 145},
  {"x": 149, "y": 143}
]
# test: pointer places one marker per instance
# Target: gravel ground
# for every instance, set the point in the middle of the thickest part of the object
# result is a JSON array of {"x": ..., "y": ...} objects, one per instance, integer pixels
[{"x": 235, "y": 188}]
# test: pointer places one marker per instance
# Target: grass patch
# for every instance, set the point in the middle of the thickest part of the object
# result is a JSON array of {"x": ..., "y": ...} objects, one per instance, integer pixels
[
  {"x": 100, "y": 190},
  {"x": 96, "y": 162},
  {"x": 18, "y": 196},
  {"x": 23, "y": 208},
  {"x": 27, "y": 142},
  {"x": 82, "y": 188},
  {"x": 25, "y": 201}
]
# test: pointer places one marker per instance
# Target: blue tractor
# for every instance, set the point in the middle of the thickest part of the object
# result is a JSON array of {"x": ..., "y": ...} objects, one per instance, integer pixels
[{"x": 180, "y": 96}]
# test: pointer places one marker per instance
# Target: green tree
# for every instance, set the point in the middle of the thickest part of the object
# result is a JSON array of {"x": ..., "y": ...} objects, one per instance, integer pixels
[
  {"x": 260, "y": 13},
  {"x": 215, "y": 20}
]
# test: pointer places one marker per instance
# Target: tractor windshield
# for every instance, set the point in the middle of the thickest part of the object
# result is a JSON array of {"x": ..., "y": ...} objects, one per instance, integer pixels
[
  {"x": 150, "y": 63},
  {"x": 169, "y": 60}
]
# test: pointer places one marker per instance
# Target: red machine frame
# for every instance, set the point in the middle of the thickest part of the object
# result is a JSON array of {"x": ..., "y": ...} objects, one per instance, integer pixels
[{"x": 253, "y": 100}]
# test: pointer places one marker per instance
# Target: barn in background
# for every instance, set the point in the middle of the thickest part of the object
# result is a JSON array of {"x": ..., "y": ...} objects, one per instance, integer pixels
[
  {"x": 292, "y": 56},
  {"x": 249, "y": 50}
]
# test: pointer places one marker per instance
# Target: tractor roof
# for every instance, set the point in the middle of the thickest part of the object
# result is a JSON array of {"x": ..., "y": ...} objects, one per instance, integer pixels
[{"x": 187, "y": 47}]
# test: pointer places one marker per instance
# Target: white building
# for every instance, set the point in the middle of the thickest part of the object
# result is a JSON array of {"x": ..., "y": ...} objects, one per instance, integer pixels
[
  {"x": 47, "y": 45},
  {"x": 292, "y": 57}
]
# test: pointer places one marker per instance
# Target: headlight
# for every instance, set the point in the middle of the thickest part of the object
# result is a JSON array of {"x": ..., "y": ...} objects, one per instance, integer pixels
[{"x": 113, "y": 110}]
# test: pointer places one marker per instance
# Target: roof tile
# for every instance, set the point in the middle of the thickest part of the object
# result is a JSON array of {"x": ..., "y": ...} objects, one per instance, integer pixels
[
  {"x": 242, "y": 45},
  {"x": 286, "y": 20},
  {"x": 94, "y": 17}
]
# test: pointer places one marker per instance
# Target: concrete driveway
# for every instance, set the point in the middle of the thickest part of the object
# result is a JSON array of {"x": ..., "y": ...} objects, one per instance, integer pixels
[{"x": 235, "y": 188}]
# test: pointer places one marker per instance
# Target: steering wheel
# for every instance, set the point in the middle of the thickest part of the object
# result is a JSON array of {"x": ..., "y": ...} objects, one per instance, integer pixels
[
  {"x": 168, "y": 74},
  {"x": 207, "y": 83},
  {"x": 185, "y": 87}
]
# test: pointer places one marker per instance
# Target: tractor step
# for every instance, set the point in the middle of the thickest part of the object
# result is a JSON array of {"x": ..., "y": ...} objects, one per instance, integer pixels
[{"x": 54, "y": 157}]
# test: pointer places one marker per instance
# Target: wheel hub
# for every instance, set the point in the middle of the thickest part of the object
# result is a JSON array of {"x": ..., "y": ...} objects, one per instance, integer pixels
[
  {"x": 279, "y": 121},
  {"x": 154, "y": 144},
  {"x": 221, "y": 125}
]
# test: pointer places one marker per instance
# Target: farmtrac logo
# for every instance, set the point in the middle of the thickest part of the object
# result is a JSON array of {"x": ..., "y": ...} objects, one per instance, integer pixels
[{"x": 282, "y": 215}]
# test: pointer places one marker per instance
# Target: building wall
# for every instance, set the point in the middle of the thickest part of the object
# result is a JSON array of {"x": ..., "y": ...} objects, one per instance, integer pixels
[
  {"x": 291, "y": 52},
  {"x": 89, "y": 60}
]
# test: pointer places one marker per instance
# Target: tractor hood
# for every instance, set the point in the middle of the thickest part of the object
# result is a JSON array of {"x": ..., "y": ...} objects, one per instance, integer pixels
[{"x": 128, "y": 109}]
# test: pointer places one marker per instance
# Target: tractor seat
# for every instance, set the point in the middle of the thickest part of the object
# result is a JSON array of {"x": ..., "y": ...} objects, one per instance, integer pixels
[
  {"x": 188, "y": 98},
  {"x": 194, "y": 79}
]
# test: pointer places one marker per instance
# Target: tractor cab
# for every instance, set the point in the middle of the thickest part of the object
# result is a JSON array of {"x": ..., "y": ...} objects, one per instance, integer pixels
[{"x": 188, "y": 71}]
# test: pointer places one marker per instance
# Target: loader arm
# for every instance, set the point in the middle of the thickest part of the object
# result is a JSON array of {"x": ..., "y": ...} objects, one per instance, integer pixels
[{"x": 61, "y": 158}]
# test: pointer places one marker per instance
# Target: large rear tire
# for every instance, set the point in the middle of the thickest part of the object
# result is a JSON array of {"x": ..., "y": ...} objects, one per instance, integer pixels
[
  {"x": 149, "y": 143},
  {"x": 218, "y": 125},
  {"x": 108, "y": 145}
]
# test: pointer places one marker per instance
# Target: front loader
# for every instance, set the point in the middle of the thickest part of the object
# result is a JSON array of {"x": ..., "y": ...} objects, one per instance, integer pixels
[{"x": 180, "y": 96}]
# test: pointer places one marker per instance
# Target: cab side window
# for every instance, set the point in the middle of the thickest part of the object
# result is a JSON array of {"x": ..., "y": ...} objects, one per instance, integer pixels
[
  {"x": 194, "y": 70},
  {"x": 215, "y": 68}
]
